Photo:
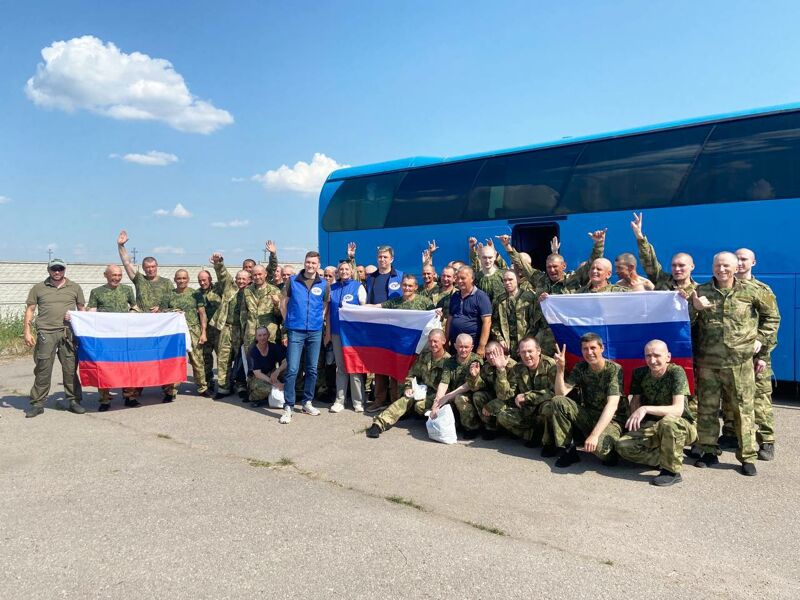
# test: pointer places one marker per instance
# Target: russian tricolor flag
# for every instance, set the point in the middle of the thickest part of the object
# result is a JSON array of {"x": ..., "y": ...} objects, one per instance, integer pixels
[
  {"x": 626, "y": 321},
  {"x": 130, "y": 349},
  {"x": 383, "y": 340}
]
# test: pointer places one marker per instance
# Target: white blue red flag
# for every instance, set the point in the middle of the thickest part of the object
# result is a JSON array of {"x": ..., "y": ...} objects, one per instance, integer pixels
[
  {"x": 626, "y": 321},
  {"x": 383, "y": 340},
  {"x": 130, "y": 349}
]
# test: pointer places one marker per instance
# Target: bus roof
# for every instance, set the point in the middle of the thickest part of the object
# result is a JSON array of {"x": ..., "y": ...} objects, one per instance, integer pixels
[{"x": 425, "y": 161}]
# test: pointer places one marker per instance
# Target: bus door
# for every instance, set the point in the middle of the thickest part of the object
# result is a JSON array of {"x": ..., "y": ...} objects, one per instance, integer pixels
[{"x": 534, "y": 238}]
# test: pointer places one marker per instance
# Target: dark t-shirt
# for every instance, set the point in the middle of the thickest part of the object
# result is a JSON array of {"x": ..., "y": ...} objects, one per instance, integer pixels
[
  {"x": 379, "y": 293},
  {"x": 465, "y": 314},
  {"x": 266, "y": 364}
]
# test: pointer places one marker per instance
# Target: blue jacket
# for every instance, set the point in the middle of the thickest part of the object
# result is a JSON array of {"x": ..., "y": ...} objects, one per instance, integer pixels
[
  {"x": 393, "y": 286},
  {"x": 342, "y": 293},
  {"x": 305, "y": 310}
]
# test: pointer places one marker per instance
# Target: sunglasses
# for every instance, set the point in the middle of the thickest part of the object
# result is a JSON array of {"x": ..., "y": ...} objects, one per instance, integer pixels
[{"x": 57, "y": 269}]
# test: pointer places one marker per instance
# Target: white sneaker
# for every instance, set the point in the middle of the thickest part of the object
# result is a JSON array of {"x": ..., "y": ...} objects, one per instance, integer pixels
[
  {"x": 286, "y": 417},
  {"x": 309, "y": 409},
  {"x": 358, "y": 407},
  {"x": 336, "y": 408}
]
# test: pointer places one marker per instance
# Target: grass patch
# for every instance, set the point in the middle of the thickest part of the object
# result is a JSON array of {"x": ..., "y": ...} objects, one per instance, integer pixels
[
  {"x": 404, "y": 502},
  {"x": 487, "y": 529},
  {"x": 12, "y": 341},
  {"x": 164, "y": 436},
  {"x": 285, "y": 462},
  {"x": 255, "y": 462},
  {"x": 610, "y": 563}
]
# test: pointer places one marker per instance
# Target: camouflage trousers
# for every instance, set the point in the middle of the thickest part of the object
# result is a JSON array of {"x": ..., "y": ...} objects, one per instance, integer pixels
[
  {"x": 762, "y": 410},
  {"x": 400, "y": 408},
  {"x": 128, "y": 393},
  {"x": 529, "y": 423},
  {"x": 470, "y": 406},
  {"x": 568, "y": 419},
  {"x": 196, "y": 360},
  {"x": 229, "y": 342},
  {"x": 208, "y": 349},
  {"x": 738, "y": 385},
  {"x": 258, "y": 389},
  {"x": 658, "y": 444}
]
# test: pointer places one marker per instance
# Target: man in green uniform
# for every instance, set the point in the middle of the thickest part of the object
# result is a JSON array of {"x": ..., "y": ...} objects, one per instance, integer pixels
[
  {"x": 453, "y": 385},
  {"x": 212, "y": 295},
  {"x": 53, "y": 298},
  {"x": 661, "y": 423},
  {"x": 227, "y": 322},
  {"x": 513, "y": 314},
  {"x": 525, "y": 391},
  {"x": 600, "y": 415},
  {"x": 426, "y": 371},
  {"x": 625, "y": 266},
  {"x": 191, "y": 303},
  {"x": 733, "y": 325},
  {"x": 410, "y": 300},
  {"x": 489, "y": 277},
  {"x": 599, "y": 275},
  {"x": 261, "y": 307},
  {"x": 682, "y": 265},
  {"x": 114, "y": 298},
  {"x": 486, "y": 388}
]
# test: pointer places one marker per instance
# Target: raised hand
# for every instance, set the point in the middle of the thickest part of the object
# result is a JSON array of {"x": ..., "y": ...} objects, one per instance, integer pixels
[
  {"x": 474, "y": 369},
  {"x": 351, "y": 250},
  {"x": 599, "y": 235},
  {"x": 472, "y": 241},
  {"x": 271, "y": 247},
  {"x": 432, "y": 247},
  {"x": 560, "y": 356},
  {"x": 505, "y": 239},
  {"x": 489, "y": 242},
  {"x": 122, "y": 238},
  {"x": 426, "y": 257},
  {"x": 555, "y": 245},
  {"x": 216, "y": 258},
  {"x": 499, "y": 359},
  {"x": 636, "y": 226}
]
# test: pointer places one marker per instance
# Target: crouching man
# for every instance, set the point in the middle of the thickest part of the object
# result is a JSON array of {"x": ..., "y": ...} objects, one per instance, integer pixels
[
  {"x": 268, "y": 364},
  {"x": 453, "y": 385},
  {"x": 661, "y": 423}
]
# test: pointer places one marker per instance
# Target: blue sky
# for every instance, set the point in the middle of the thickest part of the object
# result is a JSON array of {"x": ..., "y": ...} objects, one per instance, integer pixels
[{"x": 104, "y": 138}]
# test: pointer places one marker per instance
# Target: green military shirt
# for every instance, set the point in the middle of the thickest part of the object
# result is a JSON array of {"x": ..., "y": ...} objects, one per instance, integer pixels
[
  {"x": 596, "y": 387},
  {"x": 455, "y": 374},
  {"x": 114, "y": 300},
  {"x": 427, "y": 370},
  {"x": 662, "y": 280},
  {"x": 541, "y": 281},
  {"x": 538, "y": 385},
  {"x": 429, "y": 292},
  {"x": 608, "y": 287},
  {"x": 725, "y": 333},
  {"x": 418, "y": 302},
  {"x": 490, "y": 378},
  {"x": 770, "y": 298},
  {"x": 258, "y": 309},
  {"x": 228, "y": 311},
  {"x": 658, "y": 391},
  {"x": 491, "y": 284},
  {"x": 513, "y": 318},
  {"x": 213, "y": 299},
  {"x": 151, "y": 293},
  {"x": 441, "y": 299},
  {"x": 53, "y": 302},
  {"x": 188, "y": 302}
]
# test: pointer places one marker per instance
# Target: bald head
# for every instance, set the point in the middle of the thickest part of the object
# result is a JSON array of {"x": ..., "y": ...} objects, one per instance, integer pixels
[
  {"x": 599, "y": 272},
  {"x": 746, "y": 260},
  {"x": 657, "y": 356},
  {"x": 113, "y": 275}
]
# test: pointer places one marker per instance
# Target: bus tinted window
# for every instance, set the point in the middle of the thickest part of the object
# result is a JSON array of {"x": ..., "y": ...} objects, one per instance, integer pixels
[
  {"x": 752, "y": 159},
  {"x": 433, "y": 195},
  {"x": 528, "y": 184},
  {"x": 635, "y": 172},
  {"x": 361, "y": 203}
]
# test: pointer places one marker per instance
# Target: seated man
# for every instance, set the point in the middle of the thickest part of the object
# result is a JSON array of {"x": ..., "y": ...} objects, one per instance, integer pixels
[
  {"x": 661, "y": 423},
  {"x": 453, "y": 385},
  {"x": 268, "y": 364},
  {"x": 427, "y": 370},
  {"x": 487, "y": 386},
  {"x": 600, "y": 415},
  {"x": 525, "y": 393}
]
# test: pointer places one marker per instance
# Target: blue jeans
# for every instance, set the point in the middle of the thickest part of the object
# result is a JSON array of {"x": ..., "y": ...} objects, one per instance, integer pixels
[{"x": 311, "y": 342}]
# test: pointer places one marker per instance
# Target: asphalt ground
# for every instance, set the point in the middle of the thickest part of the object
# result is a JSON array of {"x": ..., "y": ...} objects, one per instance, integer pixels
[{"x": 204, "y": 499}]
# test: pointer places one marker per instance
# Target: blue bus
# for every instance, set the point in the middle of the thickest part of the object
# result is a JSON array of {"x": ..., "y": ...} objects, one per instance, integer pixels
[{"x": 704, "y": 185}]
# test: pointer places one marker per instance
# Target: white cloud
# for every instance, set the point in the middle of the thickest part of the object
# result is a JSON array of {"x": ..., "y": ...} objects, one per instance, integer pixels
[
  {"x": 239, "y": 179},
  {"x": 4, "y": 199},
  {"x": 168, "y": 250},
  {"x": 85, "y": 73},
  {"x": 154, "y": 158},
  {"x": 234, "y": 223},
  {"x": 303, "y": 177},
  {"x": 179, "y": 211},
  {"x": 79, "y": 250}
]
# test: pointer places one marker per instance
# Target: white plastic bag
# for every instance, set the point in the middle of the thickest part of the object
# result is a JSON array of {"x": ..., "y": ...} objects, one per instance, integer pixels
[
  {"x": 420, "y": 389},
  {"x": 443, "y": 427},
  {"x": 276, "y": 398}
]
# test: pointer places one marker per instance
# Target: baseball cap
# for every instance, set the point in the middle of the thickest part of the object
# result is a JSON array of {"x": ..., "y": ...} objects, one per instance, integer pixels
[{"x": 56, "y": 262}]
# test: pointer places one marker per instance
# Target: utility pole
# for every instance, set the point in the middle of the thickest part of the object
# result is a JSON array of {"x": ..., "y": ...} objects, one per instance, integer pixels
[
  {"x": 134, "y": 256},
  {"x": 49, "y": 254},
  {"x": 265, "y": 256}
]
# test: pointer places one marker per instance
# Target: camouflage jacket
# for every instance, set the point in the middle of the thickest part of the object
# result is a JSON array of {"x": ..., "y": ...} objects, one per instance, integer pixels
[
  {"x": 659, "y": 391},
  {"x": 608, "y": 287},
  {"x": 189, "y": 302},
  {"x": 427, "y": 371},
  {"x": 257, "y": 309},
  {"x": 537, "y": 385},
  {"x": 115, "y": 300},
  {"x": 652, "y": 268},
  {"x": 418, "y": 302},
  {"x": 490, "y": 378},
  {"x": 541, "y": 282},
  {"x": 724, "y": 334},
  {"x": 513, "y": 318},
  {"x": 229, "y": 310},
  {"x": 455, "y": 374},
  {"x": 492, "y": 285},
  {"x": 151, "y": 293},
  {"x": 596, "y": 387}
]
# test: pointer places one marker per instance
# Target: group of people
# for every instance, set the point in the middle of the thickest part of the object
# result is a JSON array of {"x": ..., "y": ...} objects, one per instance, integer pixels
[{"x": 495, "y": 357}]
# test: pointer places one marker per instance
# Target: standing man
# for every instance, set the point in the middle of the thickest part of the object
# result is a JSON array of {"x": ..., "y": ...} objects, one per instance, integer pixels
[
  {"x": 680, "y": 277},
  {"x": 150, "y": 288},
  {"x": 227, "y": 322},
  {"x": 261, "y": 307},
  {"x": 114, "y": 298},
  {"x": 470, "y": 312},
  {"x": 212, "y": 295},
  {"x": 733, "y": 325},
  {"x": 513, "y": 315},
  {"x": 490, "y": 278},
  {"x": 53, "y": 298},
  {"x": 625, "y": 265},
  {"x": 599, "y": 275},
  {"x": 303, "y": 306},
  {"x": 192, "y": 304}
]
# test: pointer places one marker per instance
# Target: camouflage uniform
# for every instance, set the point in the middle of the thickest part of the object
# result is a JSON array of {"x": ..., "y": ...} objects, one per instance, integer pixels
[
  {"x": 537, "y": 410},
  {"x": 724, "y": 336},
  {"x": 428, "y": 372},
  {"x": 485, "y": 390},
  {"x": 151, "y": 292},
  {"x": 607, "y": 288},
  {"x": 455, "y": 374},
  {"x": 429, "y": 292},
  {"x": 226, "y": 321},
  {"x": 762, "y": 402},
  {"x": 259, "y": 310},
  {"x": 418, "y": 302},
  {"x": 595, "y": 389},
  {"x": 512, "y": 319},
  {"x": 189, "y": 302},
  {"x": 491, "y": 284},
  {"x": 659, "y": 441},
  {"x": 213, "y": 300},
  {"x": 662, "y": 280},
  {"x": 113, "y": 300}
]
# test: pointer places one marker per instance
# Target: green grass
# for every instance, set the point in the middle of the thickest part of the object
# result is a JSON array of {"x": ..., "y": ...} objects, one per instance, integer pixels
[
  {"x": 12, "y": 342},
  {"x": 255, "y": 462},
  {"x": 487, "y": 529},
  {"x": 404, "y": 502},
  {"x": 164, "y": 436},
  {"x": 285, "y": 462}
]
